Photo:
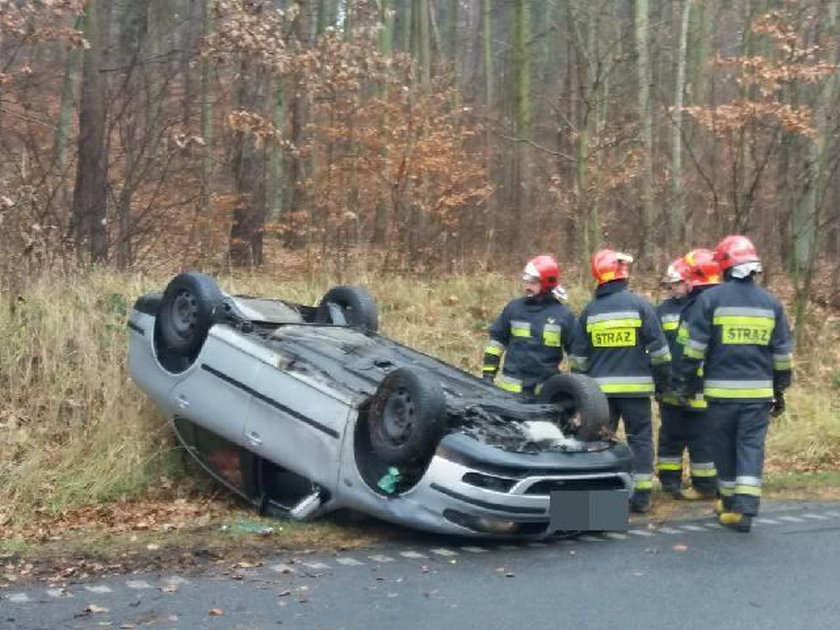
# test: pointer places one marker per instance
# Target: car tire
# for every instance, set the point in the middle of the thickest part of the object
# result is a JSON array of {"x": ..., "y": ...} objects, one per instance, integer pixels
[
  {"x": 356, "y": 304},
  {"x": 189, "y": 307},
  {"x": 584, "y": 410},
  {"x": 407, "y": 417}
]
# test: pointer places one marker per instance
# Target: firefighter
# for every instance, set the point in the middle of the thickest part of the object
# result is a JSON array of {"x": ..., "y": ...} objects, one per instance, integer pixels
[
  {"x": 686, "y": 427},
  {"x": 739, "y": 332},
  {"x": 532, "y": 331},
  {"x": 622, "y": 346}
]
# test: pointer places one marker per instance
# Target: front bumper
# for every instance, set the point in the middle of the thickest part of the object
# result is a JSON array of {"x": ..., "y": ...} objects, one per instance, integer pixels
[{"x": 474, "y": 489}]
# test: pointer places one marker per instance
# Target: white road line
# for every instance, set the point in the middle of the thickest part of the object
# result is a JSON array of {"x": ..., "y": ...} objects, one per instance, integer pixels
[
  {"x": 317, "y": 566},
  {"x": 19, "y": 598},
  {"x": 791, "y": 519},
  {"x": 59, "y": 593},
  {"x": 175, "y": 579},
  {"x": 282, "y": 568},
  {"x": 412, "y": 554},
  {"x": 349, "y": 562},
  {"x": 444, "y": 552},
  {"x": 138, "y": 584},
  {"x": 588, "y": 538},
  {"x": 616, "y": 535},
  {"x": 816, "y": 517},
  {"x": 474, "y": 549},
  {"x": 639, "y": 532},
  {"x": 765, "y": 521},
  {"x": 98, "y": 588},
  {"x": 380, "y": 558},
  {"x": 832, "y": 513},
  {"x": 670, "y": 530},
  {"x": 692, "y": 528},
  {"x": 713, "y": 525}
]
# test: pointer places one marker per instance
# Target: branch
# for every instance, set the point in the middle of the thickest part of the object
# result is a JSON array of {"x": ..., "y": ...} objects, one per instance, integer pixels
[{"x": 539, "y": 147}]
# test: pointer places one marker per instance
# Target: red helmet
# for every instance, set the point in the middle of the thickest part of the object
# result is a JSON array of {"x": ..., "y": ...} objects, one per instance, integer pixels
[
  {"x": 703, "y": 268},
  {"x": 735, "y": 250},
  {"x": 609, "y": 265},
  {"x": 677, "y": 272},
  {"x": 545, "y": 269}
]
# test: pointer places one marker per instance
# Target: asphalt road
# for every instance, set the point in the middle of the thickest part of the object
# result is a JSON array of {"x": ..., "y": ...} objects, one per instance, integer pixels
[{"x": 686, "y": 575}]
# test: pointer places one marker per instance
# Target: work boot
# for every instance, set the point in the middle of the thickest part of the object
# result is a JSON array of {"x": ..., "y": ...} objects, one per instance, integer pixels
[
  {"x": 693, "y": 494},
  {"x": 735, "y": 520},
  {"x": 640, "y": 502}
]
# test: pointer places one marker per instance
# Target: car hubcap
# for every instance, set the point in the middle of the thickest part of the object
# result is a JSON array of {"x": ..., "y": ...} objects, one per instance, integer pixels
[
  {"x": 184, "y": 313},
  {"x": 398, "y": 416}
]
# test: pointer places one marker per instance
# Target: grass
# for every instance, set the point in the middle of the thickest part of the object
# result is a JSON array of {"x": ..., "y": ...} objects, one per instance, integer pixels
[{"x": 76, "y": 431}]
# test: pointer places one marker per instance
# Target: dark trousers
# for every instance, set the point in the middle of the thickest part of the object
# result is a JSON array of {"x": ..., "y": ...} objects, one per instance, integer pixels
[
  {"x": 638, "y": 426},
  {"x": 679, "y": 430},
  {"x": 738, "y": 446}
]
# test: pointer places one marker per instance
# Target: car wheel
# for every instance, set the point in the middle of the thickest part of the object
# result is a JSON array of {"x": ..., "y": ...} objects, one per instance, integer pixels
[
  {"x": 583, "y": 408},
  {"x": 407, "y": 416},
  {"x": 352, "y": 304},
  {"x": 188, "y": 308}
]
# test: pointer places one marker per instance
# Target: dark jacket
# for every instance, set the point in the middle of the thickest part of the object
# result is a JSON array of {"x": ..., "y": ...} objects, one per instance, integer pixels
[
  {"x": 739, "y": 332},
  {"x": 622, "y": 345},
  {"x": 668, "y": 313},
  {"x": 531, "y": 333}
]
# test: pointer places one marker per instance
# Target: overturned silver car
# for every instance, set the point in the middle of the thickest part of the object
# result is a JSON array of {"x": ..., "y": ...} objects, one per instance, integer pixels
[{"x": 306, "y": 409}]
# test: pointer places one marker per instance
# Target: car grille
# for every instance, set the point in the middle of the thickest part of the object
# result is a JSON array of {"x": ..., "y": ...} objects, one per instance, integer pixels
[{"x": 547, "y": 486}]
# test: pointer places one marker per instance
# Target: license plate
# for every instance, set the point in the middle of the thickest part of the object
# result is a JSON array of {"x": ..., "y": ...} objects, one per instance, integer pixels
[{"x": 589, "y": 510}]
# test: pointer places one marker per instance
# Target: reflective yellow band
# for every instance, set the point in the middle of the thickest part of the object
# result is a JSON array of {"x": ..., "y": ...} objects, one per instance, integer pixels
[
  {"x": 490, "y": 368},
  {"x": 752, "y": 491},
  {"x": 744, "y": 320},
  {"x": 670, "y": 326},
  {"x": 726, "y": 492},
  {"x": 626, "y": 388},
  {"x": 551, "y": 338},
  {"x": 782, "y": 366},
  {"x": 694, "y": 353},
  {"x": 626, "y": 322},
  {"x": 661, "y": 466},
  {"x": 520, "y": 332},
  {"x": 494, "y": 350},
  {"x": 717, "y": 392},
  {"x": 703, "y": 472}
]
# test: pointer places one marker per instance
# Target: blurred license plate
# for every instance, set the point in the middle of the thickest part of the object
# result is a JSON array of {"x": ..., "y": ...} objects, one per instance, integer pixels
[{"x": 591, "y": 510}]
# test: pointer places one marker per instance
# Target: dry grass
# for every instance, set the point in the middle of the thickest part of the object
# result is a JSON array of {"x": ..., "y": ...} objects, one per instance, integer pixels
[{"x": 76, "y": 431}]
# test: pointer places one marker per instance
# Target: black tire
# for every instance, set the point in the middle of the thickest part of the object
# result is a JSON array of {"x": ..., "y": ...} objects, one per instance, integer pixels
[
  {"x": 356, "y": 305},
  {"x": 188, "y": 309},
  {"x": 407, "y": 417},
  {"x": 583, "y": 408}
]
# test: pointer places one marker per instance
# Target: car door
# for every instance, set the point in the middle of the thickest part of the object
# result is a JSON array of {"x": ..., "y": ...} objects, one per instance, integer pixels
[
  {"x": 297, "y": 422},
  {"x": 216, "y": 391}
]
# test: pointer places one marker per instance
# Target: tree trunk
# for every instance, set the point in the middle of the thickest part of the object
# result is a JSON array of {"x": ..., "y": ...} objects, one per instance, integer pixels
[
  {"x": 246, "y": 233},
  {"x": 677, "y": 213},
  {"x": 642, "y": 36},
  {"x": 89, "y": 195},
  {"x": 806, "y": 216}
]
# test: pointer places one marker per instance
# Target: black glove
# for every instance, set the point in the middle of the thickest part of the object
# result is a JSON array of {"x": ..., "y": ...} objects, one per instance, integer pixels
[{"x": 778, "y": 407}]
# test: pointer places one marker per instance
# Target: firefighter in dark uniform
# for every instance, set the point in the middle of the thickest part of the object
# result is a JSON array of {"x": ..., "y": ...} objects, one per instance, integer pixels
[
  {"x": 623, "y": 348},
  {"x": 532, "y": 332},
  {"x": 686, "y": 427},
  {"x": 739, "y": 332}
]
